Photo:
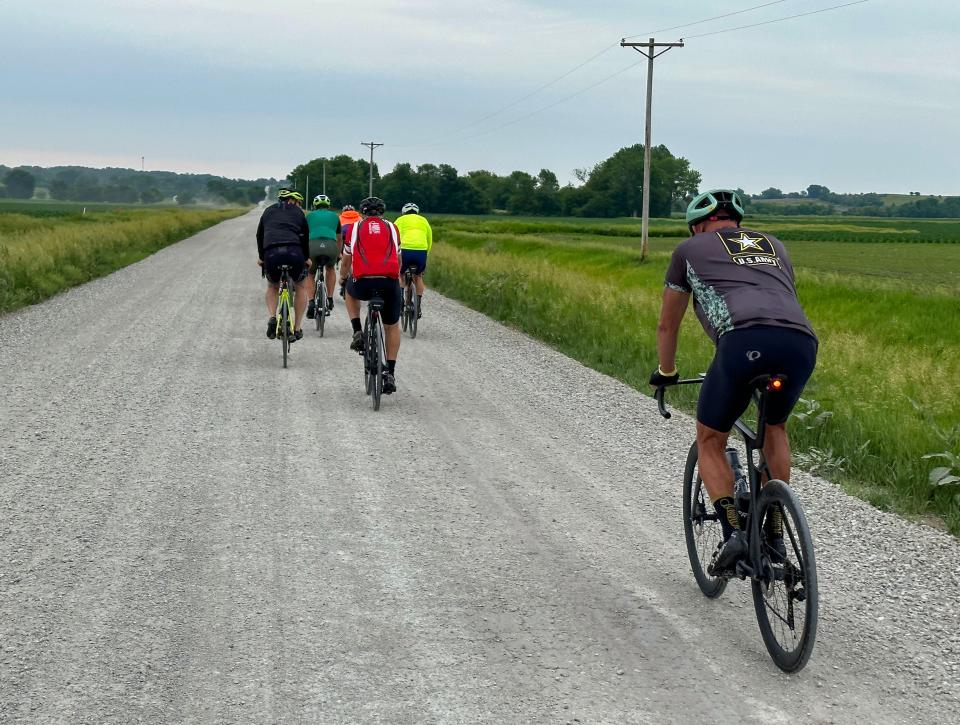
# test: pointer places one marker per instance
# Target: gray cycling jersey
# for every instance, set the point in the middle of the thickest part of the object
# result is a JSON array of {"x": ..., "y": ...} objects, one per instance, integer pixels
[{"x": 739, "y": 278}]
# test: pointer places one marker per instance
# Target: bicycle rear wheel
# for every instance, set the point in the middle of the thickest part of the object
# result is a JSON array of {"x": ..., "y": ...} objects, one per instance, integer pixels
[
  {"x": 701, "y": 528},
  {"x": 786, "y": 597},
  {"x": 317, "y": 298},
  {"x": 320, "y": 310},
  {"x": 367, "y": 367},
  {"x": 285, "y": 330},
  {"x": 377, "y": 339},
  {"x": 405, "y": 312},
  {"x": 414, "y": 310}
]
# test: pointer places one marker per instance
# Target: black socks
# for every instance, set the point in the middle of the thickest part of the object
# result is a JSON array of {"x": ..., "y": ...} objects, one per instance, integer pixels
[
  {"x": 729, "y": 518},
  {"x": 355, "y": 323},
  {"x": 391, "y": 365}
]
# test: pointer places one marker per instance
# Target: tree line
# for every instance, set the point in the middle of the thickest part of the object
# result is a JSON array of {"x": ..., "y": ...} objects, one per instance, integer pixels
[
  {"x": 612, "y": 188},
  {"x": 127, "y": 186}
]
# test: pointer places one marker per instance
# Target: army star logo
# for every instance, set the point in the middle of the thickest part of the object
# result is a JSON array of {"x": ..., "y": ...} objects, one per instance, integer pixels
[{"x": 747, "y": 242}]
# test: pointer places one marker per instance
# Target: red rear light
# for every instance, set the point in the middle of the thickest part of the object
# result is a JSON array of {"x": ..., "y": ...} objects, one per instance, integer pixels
[{"x": 775, "y": 385}]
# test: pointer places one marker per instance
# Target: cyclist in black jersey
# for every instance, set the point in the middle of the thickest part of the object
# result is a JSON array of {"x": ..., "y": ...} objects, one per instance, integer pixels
[
  {"x": 282, "y": 239},
  {"x": 744, "y": 294}
]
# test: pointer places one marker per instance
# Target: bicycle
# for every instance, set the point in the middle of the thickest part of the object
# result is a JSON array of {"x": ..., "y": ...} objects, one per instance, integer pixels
[
  {"x": 284, "y": 306},
  {"x": 320, "y": 296},
  {"x": 374, "y": 350},
  {"x": 411, "y": 303},
  {"x": 780, "y": 581}
]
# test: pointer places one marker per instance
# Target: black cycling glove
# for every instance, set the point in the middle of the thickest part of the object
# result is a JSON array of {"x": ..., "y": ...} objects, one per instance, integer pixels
[{"x": 657, "y": 378}]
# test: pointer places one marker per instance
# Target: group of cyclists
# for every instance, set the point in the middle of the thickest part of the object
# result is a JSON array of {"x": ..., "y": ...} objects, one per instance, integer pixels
[
  {"x": 741, "y": 281},
  {"x": 373, "y": 255}
]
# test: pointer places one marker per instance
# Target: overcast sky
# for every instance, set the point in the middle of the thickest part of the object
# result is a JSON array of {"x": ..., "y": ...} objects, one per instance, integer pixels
[{"x": 865, "y": 98}]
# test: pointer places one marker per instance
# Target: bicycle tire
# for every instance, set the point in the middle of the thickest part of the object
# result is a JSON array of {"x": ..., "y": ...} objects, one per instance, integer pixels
[
  {"x": 285, "y": 331},
  {"x": 377, "y": 340},
  {"x": 800, "y": 567},
  {"x": 405, "y": 312},
  {"x": 701, "y": 528},
  {"x": 320, "y": 310},
  {"x": 317, "y": 319},
  {"x": 414, "y": 311},
  {"x": 367, "y": 375}
]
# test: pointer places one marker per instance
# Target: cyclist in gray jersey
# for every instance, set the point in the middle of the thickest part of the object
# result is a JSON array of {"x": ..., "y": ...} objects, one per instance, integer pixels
[{"x": 745, "y": 297}]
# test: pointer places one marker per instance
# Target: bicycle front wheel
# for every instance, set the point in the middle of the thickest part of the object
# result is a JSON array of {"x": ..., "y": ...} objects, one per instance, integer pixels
[
  {"x": 701, "y": 528},
  {"x": 785, "y": 596}
]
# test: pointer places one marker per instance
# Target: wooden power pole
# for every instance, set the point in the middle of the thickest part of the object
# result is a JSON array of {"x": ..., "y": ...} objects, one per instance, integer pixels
[
  {"x": 649, "y": 49},
  {"x": 372, "y": 145}
]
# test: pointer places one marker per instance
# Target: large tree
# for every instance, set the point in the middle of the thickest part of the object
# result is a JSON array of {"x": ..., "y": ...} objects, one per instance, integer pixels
[{"x": 20, "y": 184}]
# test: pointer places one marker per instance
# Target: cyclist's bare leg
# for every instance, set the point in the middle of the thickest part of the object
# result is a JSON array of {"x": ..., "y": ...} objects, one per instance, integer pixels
[
  {"x": 331, "y": 280},
  {"x": 272, "y": 291},
  {"x": 712, "y": 461},
  {"x": 419, "y": 282},
  {"x": 776, "y": 451},
  {"x": 304, "y": 294},
  {"x": 391, "y": 334},
  {"x": 353, "y": 306}
]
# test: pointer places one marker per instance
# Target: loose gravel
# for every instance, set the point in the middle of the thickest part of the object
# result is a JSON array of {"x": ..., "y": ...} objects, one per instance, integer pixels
[{"x": 189, "y": 533}]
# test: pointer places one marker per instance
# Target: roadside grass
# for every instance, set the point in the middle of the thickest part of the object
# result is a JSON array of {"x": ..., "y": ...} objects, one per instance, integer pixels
[
  {"x": 887, "y": 315},
  {"x": 41, "y": 255}
]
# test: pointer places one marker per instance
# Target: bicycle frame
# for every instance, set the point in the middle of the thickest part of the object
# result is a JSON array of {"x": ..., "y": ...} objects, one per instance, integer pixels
[
  {"x": 284, "y": 298},
  {"x": 753, "y": 442}
]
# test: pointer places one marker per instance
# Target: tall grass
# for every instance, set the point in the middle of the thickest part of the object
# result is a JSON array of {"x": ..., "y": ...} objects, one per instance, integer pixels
[
  {"x": 43, "y": 255},
  {"x": 889, "y": 363}
]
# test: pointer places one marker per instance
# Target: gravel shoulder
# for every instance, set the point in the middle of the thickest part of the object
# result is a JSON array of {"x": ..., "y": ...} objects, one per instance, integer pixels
[{"x": 190, "y": 533}]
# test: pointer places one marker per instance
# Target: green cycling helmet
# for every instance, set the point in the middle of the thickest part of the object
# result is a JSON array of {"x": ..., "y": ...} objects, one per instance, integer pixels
[
  {"x": 709, "y": 203},
  {"x": 321, "y": 200}
]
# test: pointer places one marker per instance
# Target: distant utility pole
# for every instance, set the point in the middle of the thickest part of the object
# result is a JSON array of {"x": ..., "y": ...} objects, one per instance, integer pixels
[
  {"x": 141, "y": 163},
  {"x": 324, "y": 192},
  {"x": 372, "y": 145},
  {"x": 306, "y": 194},
  {"x": 650, "y": 52}
]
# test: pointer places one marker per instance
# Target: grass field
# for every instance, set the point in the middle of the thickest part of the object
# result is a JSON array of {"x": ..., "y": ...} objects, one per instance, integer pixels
[
  {"x": 883, "y": 295},
  {"x": 46, "y": 248}
]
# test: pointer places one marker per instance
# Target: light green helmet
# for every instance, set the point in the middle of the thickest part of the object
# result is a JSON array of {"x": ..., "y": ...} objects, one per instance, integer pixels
[
  {"x": 321, "y": 200},
  {"x": 709, "y": 203}
]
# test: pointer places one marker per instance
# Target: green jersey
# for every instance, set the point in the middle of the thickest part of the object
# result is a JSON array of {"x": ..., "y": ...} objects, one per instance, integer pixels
[{"x": 324, "y": 224}]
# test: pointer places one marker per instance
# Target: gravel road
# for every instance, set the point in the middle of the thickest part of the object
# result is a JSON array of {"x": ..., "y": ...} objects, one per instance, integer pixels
[{"x": 190, "y": 533}]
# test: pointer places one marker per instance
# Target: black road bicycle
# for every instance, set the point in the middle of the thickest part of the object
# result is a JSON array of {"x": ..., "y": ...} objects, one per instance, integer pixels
[
  {"x": 320, "y": 296},
  {"x": 783, "y": 579},
  {"x": 411, "y": 303},
  {"x": 374, "y": 351}
]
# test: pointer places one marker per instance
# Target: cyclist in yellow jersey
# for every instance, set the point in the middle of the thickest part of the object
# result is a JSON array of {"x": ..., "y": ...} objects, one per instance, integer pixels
[{"x": 416, "y": 240}]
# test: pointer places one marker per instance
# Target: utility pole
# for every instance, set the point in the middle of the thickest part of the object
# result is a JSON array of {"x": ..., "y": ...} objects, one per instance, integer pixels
[
  {"x": 372, "y": 145},
  {"x": 324, "y": 192},
  {"x": 650, "y": 52},
  {"x": 141, "y": 163},
  {"x": 306, "y": 196}
]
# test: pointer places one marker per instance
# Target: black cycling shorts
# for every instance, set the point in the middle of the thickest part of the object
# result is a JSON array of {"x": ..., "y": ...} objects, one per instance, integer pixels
[
  {"x": 386, "y": 288},
  {"x": 744, "y": 354},
  {"x": 276, "y": 257}
]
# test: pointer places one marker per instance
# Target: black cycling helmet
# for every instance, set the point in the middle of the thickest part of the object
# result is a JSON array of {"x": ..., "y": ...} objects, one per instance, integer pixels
[{"x": 372, "y": 206}]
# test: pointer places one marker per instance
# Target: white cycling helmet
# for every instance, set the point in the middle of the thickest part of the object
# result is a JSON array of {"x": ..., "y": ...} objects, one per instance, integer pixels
[
  {"x": 410, "y": 208},
  {"x": 321, "y": 200}
]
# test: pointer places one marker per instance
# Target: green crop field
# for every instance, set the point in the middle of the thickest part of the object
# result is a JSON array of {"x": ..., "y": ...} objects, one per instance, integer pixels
[
  {"x": 883, "y": 295},
  {"x": 48, "y": 247}
]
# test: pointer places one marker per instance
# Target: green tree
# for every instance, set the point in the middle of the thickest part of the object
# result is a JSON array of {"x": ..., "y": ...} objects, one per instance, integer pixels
[
  {"x": 771, "y": 193},
  {"x": 186, "y": 197},
  {"x": 151, "y": 196},
  {"x": 20, "y": 184}
]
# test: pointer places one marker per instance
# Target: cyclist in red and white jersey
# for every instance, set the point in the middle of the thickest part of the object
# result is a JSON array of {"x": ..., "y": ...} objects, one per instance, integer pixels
[{"x": 371, "y": 268}]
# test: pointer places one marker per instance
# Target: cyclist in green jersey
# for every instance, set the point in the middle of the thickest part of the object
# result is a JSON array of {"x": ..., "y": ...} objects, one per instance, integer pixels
[
  {"x": 416, "y": 241},
  {"x": 324, "y": 234}
]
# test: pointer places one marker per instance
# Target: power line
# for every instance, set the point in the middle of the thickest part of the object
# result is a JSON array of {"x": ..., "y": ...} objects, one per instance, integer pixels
[
  {"x": 706, "y": 20},
  {"x": 777, "y": 20},
  {"x": 555, "y": 103}
]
